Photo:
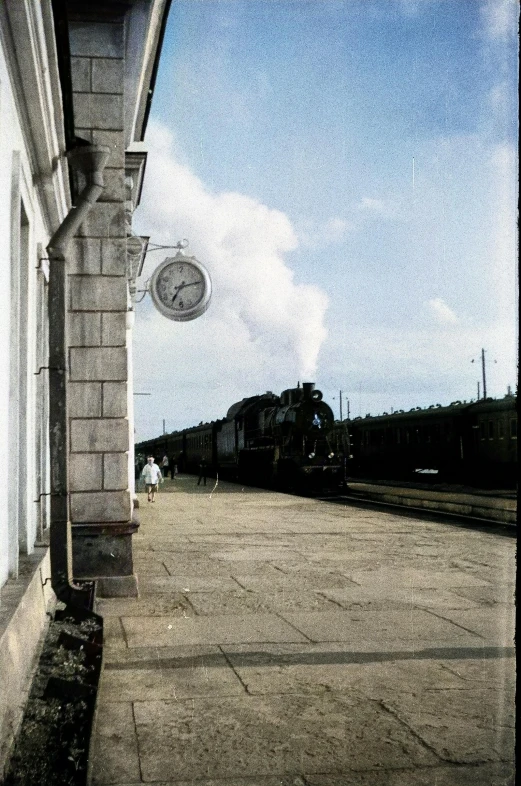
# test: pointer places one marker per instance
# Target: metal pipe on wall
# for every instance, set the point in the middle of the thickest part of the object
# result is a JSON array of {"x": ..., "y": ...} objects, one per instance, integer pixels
[{"x": 90, "y": 160}]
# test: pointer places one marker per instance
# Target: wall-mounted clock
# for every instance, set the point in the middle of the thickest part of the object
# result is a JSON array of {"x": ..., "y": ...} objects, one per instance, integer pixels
[{"x": 181, "y": 288}]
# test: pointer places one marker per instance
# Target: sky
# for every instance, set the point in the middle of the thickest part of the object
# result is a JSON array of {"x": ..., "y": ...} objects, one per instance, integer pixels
[{"x": 346, "y": 170}]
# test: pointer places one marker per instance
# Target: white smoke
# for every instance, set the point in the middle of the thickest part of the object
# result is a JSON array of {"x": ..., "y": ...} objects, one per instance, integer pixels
[{"x": 263, "y": 329}]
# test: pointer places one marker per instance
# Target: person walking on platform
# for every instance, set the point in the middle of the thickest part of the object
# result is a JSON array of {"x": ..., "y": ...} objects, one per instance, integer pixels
[
  {"x": 202, "y": 472},
  {"x": 164, "y": 466},
  {"x": 151, "y": 475}
]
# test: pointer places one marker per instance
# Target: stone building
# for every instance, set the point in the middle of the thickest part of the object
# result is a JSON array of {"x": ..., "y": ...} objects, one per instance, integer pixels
[{"x": 76, "y": 82}]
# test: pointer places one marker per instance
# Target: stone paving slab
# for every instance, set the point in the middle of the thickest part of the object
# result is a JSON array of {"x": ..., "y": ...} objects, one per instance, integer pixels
[
  {"x": 114, "y": 748},
  {"x": 207, "y": 565},
  {"x": 248, "y": 601},
  {"x": 179, "y": 656},
  {"x": 113, "y": 634},
  {"x": 497, "y": 672},
  {"x": 294, "y": 580},
  {"x": 152, "y": 585},
  {"x": 416, "y": 578},
  {"x": 496, "y": 624},
  {"x": 226, "y": 629},
  {"x": 247, "y": 736},
  {"x": 383, "y": 598},
  {"x": 242, "y": 553},
  {"x": 414, "y": 625},
  {"x": 160, "y": 679},
  {"x": 482, "y": 775},
  {"x": 474, "y": 726},
  {"x": 265, "y": 669},
  {"x": 159, "y": 605}
]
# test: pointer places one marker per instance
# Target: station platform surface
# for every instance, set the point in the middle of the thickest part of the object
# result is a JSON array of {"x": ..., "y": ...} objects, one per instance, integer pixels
[{"x": 283, "y": 641}]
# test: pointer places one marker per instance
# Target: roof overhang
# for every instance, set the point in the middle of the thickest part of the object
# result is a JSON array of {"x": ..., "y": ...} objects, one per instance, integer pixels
[{"x": 145, "y": 28}]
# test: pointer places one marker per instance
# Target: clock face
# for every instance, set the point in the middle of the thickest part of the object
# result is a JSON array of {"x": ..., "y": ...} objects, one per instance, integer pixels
[{"x": 180, "y": 288}]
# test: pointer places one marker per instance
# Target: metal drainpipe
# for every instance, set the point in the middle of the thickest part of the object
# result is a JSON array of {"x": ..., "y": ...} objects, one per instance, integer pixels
[{"x": 91, "y": 161}]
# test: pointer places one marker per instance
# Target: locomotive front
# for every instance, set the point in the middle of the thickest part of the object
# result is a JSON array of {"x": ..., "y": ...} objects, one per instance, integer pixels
[{"x": 307, "y": 458}]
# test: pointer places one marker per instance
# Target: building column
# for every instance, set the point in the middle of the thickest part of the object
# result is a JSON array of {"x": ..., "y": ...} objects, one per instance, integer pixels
[{"x": 100, "y": 497}]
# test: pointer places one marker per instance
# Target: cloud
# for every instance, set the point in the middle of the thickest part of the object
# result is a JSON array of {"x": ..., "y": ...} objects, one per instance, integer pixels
[
  {"x": 377, "y": 206},
  {"x": 315, "y": 235},
  {"x": 441, "y": 311},
  {"x": 413, "y": 7},
  {"x": 263, "y": 328},
  {"x": 335, "y": 229},
  {"x": 499, "y": 19}
]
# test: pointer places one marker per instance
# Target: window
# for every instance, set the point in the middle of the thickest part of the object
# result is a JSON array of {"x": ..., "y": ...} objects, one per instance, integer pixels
[
  {"x": 482, "y": 430},
  {"x": 513, "y": 428},
  {"x": 500, "y": 429},
  {"x": 491, "y": 429}
]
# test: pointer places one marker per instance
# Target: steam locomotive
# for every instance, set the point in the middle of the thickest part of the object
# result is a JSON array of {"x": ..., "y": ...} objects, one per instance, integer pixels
[{"x": 286, "y": 442}]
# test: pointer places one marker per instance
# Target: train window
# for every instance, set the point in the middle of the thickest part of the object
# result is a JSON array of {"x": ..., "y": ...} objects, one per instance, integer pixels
[
  {"x": 513, "y": 428},
  {"x": 500, "y": 429},
  {"x": 407, "y": 435},
  {"x": 491, "y": 429},
  {"x": 398, "y": 437},
  {"x": 483, "y": 430},
  {"x": 418, "y": 436}
]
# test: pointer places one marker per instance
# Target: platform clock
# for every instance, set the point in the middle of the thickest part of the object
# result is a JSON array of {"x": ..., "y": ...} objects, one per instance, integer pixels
[{"x": 181, "y": 288}]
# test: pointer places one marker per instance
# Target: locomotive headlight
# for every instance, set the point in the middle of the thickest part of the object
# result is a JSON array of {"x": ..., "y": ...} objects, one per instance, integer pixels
[
  {"x": 331, "y": 455},
  {"x": 311, "y": 455}
]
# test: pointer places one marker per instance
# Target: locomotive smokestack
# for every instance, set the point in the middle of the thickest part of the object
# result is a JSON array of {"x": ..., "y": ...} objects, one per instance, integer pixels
[{"x": 308, "y": 389}]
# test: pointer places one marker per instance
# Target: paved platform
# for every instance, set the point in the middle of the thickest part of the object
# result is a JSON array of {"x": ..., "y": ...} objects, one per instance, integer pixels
[{"x": 281, "y": 641}]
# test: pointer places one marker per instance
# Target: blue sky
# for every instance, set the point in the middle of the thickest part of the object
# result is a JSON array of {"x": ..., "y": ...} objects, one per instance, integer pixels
[{"x": 347, "y": 171}]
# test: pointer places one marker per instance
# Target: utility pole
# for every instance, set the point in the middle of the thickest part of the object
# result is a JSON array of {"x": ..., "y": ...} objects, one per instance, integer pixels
[
  {"x": 483, "y": 372},
  {"x": 340, "y": 404},
  {"x": 164, "y": 426},
  {"x": 348, "y": 409}
]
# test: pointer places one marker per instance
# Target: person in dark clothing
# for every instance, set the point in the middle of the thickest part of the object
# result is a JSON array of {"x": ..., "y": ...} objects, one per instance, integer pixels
[{"x": 202, "y": 472}]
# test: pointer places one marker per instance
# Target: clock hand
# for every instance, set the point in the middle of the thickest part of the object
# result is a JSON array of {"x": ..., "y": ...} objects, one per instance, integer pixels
[
  {"x": 178, "y": 289},
  {"x": 183, "y": 286}
]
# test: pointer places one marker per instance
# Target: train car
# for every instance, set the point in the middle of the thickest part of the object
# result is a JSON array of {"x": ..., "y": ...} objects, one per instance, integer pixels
[
  {"x": 492, "y": 445},
  {"x": 198, "y": 446},
  {"x": 474, "y": 443}
]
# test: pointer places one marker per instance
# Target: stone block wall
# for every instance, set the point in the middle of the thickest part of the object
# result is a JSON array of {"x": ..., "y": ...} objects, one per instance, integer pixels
[{"x": 101, "y": 506}]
